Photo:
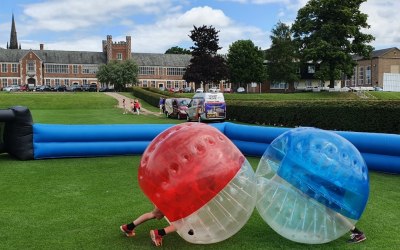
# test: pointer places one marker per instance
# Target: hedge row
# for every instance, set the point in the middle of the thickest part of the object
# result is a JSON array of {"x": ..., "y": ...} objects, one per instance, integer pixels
[
  {"x": 363, "y": 116},
  {"x": 347, "y": 115},
  {"x": 150, "y": 95}
]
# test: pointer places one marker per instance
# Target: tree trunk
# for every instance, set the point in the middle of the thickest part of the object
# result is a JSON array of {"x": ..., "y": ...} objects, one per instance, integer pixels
[
  {"x": 291, "y": 87},
  {"x": 331, "y": 82},
  {"x": 332, "y": 76}
]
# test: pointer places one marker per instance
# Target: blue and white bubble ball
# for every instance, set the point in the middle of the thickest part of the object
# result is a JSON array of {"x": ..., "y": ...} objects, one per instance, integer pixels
[{"x": 312, "y": 185}]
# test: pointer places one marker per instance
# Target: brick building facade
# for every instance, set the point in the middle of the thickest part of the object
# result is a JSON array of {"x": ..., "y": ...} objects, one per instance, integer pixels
[
  {"x": 55, "y": 67},
  {"x": 369, "y": 72}
]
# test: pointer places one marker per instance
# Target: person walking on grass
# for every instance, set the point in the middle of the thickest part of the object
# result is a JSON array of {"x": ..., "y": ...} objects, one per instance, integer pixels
[
  {"x": 124, "y": 107},
  {"x": 133, "y": 107},
  {"x": 161, "y": 105},
  {"x": 136, "y": 106},
  {"x": 156, "y": 235}
]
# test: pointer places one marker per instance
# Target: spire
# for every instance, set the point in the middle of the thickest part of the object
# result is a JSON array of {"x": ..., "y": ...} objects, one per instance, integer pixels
[{"x": 13, "y": 35}]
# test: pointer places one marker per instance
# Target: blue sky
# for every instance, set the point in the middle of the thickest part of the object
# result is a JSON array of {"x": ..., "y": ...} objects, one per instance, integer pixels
[{"x": 156, "y": 25}]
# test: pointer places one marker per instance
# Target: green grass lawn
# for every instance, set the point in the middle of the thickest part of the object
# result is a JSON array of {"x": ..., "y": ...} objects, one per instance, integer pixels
[{"x": 80, "y": 203}]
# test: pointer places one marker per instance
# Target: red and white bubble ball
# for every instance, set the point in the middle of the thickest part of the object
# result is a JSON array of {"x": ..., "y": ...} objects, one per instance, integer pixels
[{"x": 200, "y": 180}]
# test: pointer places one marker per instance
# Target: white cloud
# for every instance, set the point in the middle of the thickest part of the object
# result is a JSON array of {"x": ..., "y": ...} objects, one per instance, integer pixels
[
  {"x": 175, "y": 30},
  {"x": 257, "y": 1},
  {"x": 66, "y": 15},
  {"x": 382, "y": 17},
  {"x": 84, "y": 44},
  {"x": 167, "y": 23}
]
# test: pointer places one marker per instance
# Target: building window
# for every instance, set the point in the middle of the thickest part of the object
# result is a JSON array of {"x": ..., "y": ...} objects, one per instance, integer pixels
[
  {"x": 14, "y": 81},
  {"x": 176, "y": 84},
  {"x": 14, "y": 68},
  {"x": 144, "y": 84},
  {"x": 4, "y": 82},
  {"x": 4, "y": 68},
  {"x": 311, "y": 69},
  {"x": 368, "y": 74},
  {"x": 89, "y": 69},
  {"x": 119, "y": 56},
  {"x": 169, "y": 85},
  {"x": 176, "y": 71},
  {"x": 75, "y": 69},
  {"x": 66, "y": 82},
  {"x": 146, "y": 70},
  {"x": 47, "y": 81},
  {"x": 278, "y": 85},
  {"x": 56, "y": 68},
  {"x": 57, "y": 82},
  {"x": 153, "y": 84},
  {"x": 31, "y": 66},
  {"x": 84, "y": 81},
  {"x": 361, "y": 76}
]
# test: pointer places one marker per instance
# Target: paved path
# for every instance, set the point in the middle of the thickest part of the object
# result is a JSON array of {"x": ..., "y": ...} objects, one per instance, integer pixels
[{"x": 128, "y": 101}]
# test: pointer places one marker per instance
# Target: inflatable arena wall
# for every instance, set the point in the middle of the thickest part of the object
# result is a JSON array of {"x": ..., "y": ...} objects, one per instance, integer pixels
[{"x": 24, "y": 140}]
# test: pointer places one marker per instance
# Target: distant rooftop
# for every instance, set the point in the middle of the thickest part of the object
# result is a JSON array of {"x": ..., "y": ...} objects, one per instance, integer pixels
[{"x": 86, "y": 57}]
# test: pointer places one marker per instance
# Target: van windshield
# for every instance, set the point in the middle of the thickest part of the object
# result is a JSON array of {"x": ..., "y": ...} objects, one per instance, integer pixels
[{"x": 214, "y": 97}]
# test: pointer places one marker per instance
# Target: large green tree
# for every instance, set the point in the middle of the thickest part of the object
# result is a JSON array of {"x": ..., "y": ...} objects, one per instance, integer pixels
[
  {"x": 245, "y": 63},
  {"x": 206, "y": 65},
  {"x": 118, "y": 73},
  {"x": 281, "y": 56},
  {"x": 328, "y": 32},
  {"x": 177, "y": 50}
]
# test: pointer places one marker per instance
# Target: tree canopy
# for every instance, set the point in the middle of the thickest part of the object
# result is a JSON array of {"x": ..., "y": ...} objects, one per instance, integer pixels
[
  {"x": 205, "y": 66},
  {"x": 118, "y": 73},
  {"x": 245, "y": 62},
  {"x": 328, "y": 32},
  {"x": 282, "y": 60},
  {"x": 177, "y": 50}
]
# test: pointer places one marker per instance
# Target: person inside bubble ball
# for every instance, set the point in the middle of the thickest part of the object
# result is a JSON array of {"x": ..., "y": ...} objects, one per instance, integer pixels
[
  {"x": 156, "y": 235},
  {"x": 356, "y": 235}
]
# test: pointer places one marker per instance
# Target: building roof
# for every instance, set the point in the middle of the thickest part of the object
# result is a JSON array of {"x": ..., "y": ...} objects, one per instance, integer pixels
[
  {"x": 381, "y": 52},
  {"x": 376, "y": 53},
  {"x": 55, "y": 56},
  {"x": 164, "y": 60},
  {"x": 86, "y": 57}
]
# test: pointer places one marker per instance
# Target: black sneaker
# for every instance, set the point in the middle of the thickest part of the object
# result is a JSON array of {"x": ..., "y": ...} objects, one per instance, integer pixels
[{"x": 356, "y": 238}]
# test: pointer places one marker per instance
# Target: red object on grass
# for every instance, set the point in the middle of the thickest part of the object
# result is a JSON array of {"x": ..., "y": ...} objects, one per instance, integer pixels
[{"x": 186, "y": 166}]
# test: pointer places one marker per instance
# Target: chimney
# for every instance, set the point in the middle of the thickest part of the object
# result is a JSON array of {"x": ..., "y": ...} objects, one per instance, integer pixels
[
  {"x": 128, "y": 47},
  {"x": 41, "y": 46},
  {"x": 109, "y": 48}
]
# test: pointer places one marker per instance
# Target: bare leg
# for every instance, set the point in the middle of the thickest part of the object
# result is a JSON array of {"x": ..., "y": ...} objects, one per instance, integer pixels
[
  {"x": 169, "y": 229},
  {"x": 143, "y": 218}
]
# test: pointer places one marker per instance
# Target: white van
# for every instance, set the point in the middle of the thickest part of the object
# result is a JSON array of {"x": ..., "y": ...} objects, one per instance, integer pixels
[{"x": 206, "y": 107}]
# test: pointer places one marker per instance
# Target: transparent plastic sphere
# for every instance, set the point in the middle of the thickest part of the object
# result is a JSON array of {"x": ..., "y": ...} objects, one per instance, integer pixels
[
  {"x": 200, "y": 180},
  {"x": 312, "y": 185}
]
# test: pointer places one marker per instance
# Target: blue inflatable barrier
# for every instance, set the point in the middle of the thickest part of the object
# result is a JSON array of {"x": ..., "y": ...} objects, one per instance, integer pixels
[
  {"x": 57, "y": 141},
  {"x": 380, "y": 151}
]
